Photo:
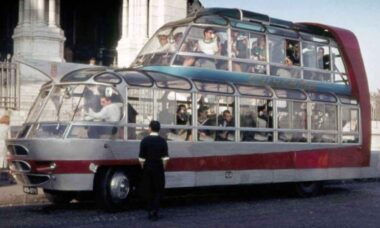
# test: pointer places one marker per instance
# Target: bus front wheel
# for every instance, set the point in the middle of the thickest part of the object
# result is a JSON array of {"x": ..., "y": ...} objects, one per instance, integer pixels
[
  {"x": 112, "y": 188},
  {"x": 308, "y": 189}
]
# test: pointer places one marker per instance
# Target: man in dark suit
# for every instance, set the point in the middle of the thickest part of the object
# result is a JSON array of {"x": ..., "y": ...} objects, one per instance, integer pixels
[{"x": 153, "y": 158}]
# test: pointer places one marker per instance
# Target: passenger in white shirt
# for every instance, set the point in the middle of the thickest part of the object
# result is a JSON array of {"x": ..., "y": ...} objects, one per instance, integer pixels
[
  {"x": 209, "y": 44},
  {"x": 110, "y": 112}
]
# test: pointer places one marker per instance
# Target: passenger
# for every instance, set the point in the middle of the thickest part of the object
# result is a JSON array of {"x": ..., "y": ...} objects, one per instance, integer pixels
[
  {"x": 249, "y": 120},
  {"x": 258, "y": 51},
  {"x": 203, "y": 120},
  {"x": 110, "y": 112},
  {"x": 293, "y": 53},
  {"x": 209, "y": 44},
  {"x": 239, "y": 50},
  {"x": 182, "y": 116},
  {"x": 164, "y": 43},
  {"x": 177, "y": 41},
  {"x": 283, "y": 72},
  {"x": 226, "y": 120},
  {"x": 322, "y": 60}
]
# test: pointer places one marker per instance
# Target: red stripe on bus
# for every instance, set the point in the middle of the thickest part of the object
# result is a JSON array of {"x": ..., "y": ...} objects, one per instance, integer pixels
[{"x": 314, "y": 159}]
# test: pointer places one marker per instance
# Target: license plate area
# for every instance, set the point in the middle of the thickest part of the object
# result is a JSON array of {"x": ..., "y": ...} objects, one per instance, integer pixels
[{"x": 30, "y": 190}]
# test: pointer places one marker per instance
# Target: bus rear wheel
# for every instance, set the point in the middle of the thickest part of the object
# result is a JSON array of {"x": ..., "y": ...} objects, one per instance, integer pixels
[
  {"x": 112, "y": 189},
  {"x": 59, "y": 198},
  {"x": 308, "y": 189}
]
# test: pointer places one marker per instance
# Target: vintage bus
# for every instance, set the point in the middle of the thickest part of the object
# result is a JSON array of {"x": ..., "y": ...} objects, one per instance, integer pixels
[{"x": 242, "y": 98}]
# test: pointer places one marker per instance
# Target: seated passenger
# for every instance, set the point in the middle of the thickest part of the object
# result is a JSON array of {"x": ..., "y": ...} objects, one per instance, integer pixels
[
  {"x": 209, "y": 46},
  {"x": 209, "y": 43},
  {"x": 239, "y": 50},
  {"x": 293, "y": 53},
  {"x": 177, "y": 41},
  {"x": 203, "y": 120},
  {"x": 164, "y": 43},
  {"x": 110, "y": 112},
  {"x": 225, "y": 120},
  {"x": 258, "y": 51},
  {"x": 282, "y": 72},
  {"x": 182, "y": 116}
]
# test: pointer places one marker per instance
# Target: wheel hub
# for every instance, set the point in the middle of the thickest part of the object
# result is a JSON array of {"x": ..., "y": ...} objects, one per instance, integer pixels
[{"x": 119, "y": 187}]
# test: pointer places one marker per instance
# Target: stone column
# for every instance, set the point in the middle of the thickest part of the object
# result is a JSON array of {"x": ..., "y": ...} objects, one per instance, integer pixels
[
  {"x": 27, "y": 9},
  {"x": 20, "y": 12},
  {"x": 40, "y": 12},
  {"x": 35, "y": 38},
  {"x": 124, "y": 21},
  {"x": 52, "y": 13}
]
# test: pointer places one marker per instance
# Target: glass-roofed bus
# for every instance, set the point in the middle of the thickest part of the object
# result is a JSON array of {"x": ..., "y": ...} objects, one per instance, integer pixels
[{"x": 242, "y": 99}]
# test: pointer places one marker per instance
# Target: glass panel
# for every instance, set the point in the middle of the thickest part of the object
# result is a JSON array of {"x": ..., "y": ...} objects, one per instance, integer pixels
[
  {"x": 96, "y": 132},
  {"x": 323, "y": 138},
  {"x": 324, "y": 117},
  {"x": 160, "y": 48},
  {"x": 338, "y": 65},
  {"x": 158, "y": 43},
  {"x": 348, "y": 100},
  {"x": 290, "y": 94},
  {"x": 300, "y": 137},
  {"x": 215, "y": 111},
  {"x": 137, "y": 133},
  {"x": 310, "y": 37},
  {"x": 285, "y": 72},
  {"x": 167, "y": 81},
  {"x": 47, "y": 130},
  {"x": 256, "y": 113},
  {"x": 108, "y": 78},
  {"x": 213, "y": 87},
  {"x": 254, "y": 91},
  {"x": 37, "y": 106},
  {"x": 23, "y": 132},
  {"x": 350, "y": 138},
  {"x": 197, "y": 61},
  {"x": 350, "y": 119},
  {"x": 175, "y": 134},
  {"x": 282, "y": 32},
  {"x": 81, "y": 75},
  {"x": 249, "y": 67},
  {"x": 323, "y": 97},
  {"x": 249, "y": 26},
  {"x": 211, "y": 20},
  {"x": 140, "y": 106},
  {"x": 291, "y": 115},
  {"x": 173, "y": 108},
  {"x": 317, "y": 76},
  {"x": 277, "y": 52},
  {"x": 135, "y": 78}
]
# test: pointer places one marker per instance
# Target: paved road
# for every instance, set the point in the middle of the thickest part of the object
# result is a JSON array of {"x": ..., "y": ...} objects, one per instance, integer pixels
[{"x": 341, "y": 205}]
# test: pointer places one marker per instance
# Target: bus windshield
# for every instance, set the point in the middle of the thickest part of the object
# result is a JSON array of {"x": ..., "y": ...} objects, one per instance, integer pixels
[{"x": 68, "y": 103}]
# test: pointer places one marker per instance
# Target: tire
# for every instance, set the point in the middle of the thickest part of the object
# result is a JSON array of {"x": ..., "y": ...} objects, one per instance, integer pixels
[
  {"x": 59, "y": 198},
  {"x": 308, "y": 189},
  {"x": 112, "y": 189}
]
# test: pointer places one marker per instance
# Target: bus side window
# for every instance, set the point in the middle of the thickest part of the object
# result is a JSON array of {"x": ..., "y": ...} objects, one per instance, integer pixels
[
  {"x": 140, "y": 112},
  {"x": 172, "y": 110}
]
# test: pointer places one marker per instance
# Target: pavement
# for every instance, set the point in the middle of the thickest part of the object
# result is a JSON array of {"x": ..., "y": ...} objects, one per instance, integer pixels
[{"x": 12, "y": 194}]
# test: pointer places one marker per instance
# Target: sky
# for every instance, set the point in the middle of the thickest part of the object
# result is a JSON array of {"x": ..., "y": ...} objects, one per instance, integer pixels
[{"x": 360, "y": 16}]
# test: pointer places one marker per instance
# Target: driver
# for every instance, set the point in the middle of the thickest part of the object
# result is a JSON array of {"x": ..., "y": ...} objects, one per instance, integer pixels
[{"x": 110, "y": 112}]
